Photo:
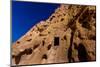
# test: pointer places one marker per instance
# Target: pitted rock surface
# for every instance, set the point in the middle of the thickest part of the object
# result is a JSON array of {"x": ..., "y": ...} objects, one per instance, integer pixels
[{"x": 68, "y": 35}]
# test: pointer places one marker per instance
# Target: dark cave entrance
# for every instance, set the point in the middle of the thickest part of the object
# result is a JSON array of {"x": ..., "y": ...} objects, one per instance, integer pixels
[
  {"x": 82, "y": 53},
  {"x": 56, "y": 41}
]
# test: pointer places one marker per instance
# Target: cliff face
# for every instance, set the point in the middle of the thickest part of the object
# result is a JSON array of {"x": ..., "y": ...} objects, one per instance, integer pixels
[{"x": 68, "y": 35}]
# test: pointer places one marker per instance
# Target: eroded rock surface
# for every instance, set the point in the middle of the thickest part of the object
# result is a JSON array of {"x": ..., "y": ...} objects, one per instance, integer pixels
[{"x": 68, "y": 35}]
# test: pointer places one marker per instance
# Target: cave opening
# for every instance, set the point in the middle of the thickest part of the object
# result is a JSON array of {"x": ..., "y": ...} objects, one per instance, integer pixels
[
  {"x": 56, "y": 41},
  {"x": 82, "y": 53}
]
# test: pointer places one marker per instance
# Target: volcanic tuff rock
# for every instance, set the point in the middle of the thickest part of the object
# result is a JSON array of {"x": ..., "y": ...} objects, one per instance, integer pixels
[{"x": 68, "y": 35}]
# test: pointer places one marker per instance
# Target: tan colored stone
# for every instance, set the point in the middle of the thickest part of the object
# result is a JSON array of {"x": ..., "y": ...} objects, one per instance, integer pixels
[{"x": 72, "y": 25}]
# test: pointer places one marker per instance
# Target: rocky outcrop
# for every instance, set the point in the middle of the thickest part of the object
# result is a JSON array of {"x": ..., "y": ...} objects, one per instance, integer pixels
[{"x": 68, "y": 35}]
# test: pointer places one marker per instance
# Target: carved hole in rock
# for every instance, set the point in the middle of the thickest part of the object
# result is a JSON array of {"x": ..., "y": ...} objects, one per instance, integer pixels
[
  {"x": 18, "y": 42},
  {"x": 93, "y": 53},
  {"x": 82, "y": 53},
  {"x": 13, "y": 56},
  {"x": 64, "y": 14},
  {"x": 44, "y": 56},
  {"x": 49, "y": 32},
  {"x": 62, "y": 19},
  {"x": 61, "y": 38},
  {"x": 35, "y": 46},
  {"x": 40, "y": 29},
  {"x": 49, "y": 46},
  {"x": 65, "y": 37},
  {"x": 17, "y": 59},
  {"x": 29, "y": 39},
  {"x": 85, "y": 24},
  {"x": 42, "y": 34},
  {"x": 43, "y": 42},
  {"x": 45, "y": 25},
  {"x": 79, "y": 35},
  {"x": 28, "y": 51},
  {"x": 30, "y": 34},
  {"x": 52, "y": 18},
  {"x": 56, "y": 41}
]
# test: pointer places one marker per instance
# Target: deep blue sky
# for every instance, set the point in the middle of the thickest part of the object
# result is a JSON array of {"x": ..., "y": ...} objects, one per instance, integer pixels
[{"x": 26, "y": 14}]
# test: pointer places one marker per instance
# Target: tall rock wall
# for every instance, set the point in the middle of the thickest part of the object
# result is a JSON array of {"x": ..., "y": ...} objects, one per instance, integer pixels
[{"x": 68, "y": 35}]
